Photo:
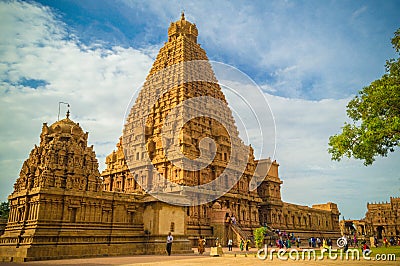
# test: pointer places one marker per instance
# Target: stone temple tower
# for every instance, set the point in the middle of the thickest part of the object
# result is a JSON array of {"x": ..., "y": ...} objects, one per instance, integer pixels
[
  {"x": 58, "y": 208},
  {"x": 181, "y": 134},
  {"x": 62, "y": 160}
]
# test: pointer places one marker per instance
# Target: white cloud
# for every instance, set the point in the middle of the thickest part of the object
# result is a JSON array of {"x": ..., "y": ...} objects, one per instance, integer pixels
[
  {"x": 358, "y": 12},
  {"x": 303, "y": 129},
  {"x": 98, "y": 84},
  {"x": 327, "y": 52}
]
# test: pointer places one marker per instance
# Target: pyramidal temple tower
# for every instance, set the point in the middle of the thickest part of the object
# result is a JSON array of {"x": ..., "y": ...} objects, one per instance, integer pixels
[
  {"x": 181, "y": 149},
  {"x": 181, "y": 124},
  {"x": 181, "y": 134}
]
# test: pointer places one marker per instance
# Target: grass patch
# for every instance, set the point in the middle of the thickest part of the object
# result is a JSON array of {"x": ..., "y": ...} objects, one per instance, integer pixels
[{"x": 389, "y": 250}]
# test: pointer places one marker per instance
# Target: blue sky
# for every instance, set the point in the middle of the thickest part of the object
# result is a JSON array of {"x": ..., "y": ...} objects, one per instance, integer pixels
[{"x": 309, "y": 57}]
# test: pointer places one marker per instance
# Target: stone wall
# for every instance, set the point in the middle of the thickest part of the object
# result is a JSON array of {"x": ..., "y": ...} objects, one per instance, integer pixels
[
  {"x": 383, "y": 219},
  {"x": 320, "y": 220}
]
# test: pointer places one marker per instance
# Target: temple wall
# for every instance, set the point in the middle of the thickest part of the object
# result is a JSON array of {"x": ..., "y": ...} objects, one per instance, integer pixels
[
  {"x": 383, "y": 219},
  {"x": 303, "y": 221},
  {"x": 319, "y": 220},
  {"x": 69, "y": 224},
  {"x": 161, "y": 218}
]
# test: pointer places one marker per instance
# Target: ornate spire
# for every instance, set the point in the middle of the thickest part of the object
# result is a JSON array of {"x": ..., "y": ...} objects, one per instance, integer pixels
[
  {"x": 59, "y": 103},
  {"x": 182, "y": 28},
  {"x": 57, "y": 141}
]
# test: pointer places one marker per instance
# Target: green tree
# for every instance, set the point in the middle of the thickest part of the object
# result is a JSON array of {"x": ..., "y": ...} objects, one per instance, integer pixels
[
  {"x": 375, "y": 111},
  {"x": 259, "y": 236},
  {"x": 4, "y": 210}
]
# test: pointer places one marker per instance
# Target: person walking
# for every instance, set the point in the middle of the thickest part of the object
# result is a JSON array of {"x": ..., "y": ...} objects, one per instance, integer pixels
[
  {"x": 329, "y": 242},
  {"x": 247, "y": 245},
  {"x": 298, "y": 241},
  {"x": 365, "y": 248},
  {"x": 355, "y": 240},
  {"x": 201, "y": 245},
  {"x": 319, "y": 242},
  {"x": 230, "y": 243},
  {"x": 385, "y": 242},
  {"x": 170, "y": 239}
]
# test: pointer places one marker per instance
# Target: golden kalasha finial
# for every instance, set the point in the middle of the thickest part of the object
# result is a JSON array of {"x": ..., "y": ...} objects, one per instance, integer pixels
[
  {"x": 59, "y": 103},
  {"x": 182, "y": 16}
]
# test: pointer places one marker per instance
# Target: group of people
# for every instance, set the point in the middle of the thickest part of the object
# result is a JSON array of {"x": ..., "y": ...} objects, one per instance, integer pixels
[
  {"x": 244, "y": 245},
  {"x": 286, "y": 240},
  {"x": 231, "y": 219},
  {"x": 289, "y": 240},
  {"x": 202, "y": 244},
  {"x": 391, "y": 242},
  {"x": 314, "y": 242},
  {"x": 352, "y": 240}
]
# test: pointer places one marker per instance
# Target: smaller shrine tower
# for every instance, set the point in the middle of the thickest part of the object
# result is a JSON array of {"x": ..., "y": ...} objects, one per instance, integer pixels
[{"x": 58, "y": 208}]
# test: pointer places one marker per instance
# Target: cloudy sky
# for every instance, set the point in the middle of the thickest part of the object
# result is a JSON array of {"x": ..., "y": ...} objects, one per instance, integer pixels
[{"x": 310, "y": 58}]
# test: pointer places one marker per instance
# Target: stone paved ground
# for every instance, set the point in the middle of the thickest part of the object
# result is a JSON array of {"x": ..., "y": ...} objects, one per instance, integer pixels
[{"x": 196, "y": 260}]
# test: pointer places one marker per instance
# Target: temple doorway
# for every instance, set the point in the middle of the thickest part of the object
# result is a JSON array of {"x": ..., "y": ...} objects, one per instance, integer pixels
[{"x": 380, "y": 230}]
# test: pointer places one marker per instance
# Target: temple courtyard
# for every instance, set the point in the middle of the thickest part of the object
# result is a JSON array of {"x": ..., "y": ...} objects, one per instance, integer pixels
[{"x": 235, "y": 257}]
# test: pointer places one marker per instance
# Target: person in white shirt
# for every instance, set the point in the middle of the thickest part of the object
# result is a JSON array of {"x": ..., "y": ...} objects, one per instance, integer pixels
[
  {"x": 170, "y": 238},
  {"x": 230, "y": 243}
]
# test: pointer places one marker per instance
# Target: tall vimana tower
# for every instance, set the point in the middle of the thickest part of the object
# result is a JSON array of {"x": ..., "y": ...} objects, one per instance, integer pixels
[
  {"x": 180, "y": 147},
  {"x": 180, "y": 138}
]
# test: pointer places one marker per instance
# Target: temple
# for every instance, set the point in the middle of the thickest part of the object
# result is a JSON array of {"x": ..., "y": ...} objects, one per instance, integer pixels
[
  {"x": 381, "y": 220},
  {"x": 62, "y": 207}
]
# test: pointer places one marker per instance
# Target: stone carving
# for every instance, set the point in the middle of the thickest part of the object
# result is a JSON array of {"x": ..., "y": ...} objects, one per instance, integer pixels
[{"x": 62, "y": 155}]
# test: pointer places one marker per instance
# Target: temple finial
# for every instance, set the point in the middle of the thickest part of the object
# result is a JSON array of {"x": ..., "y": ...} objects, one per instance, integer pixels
[
  {"x": 59, "y": 103},
  {"x": 183, "y": 15}
]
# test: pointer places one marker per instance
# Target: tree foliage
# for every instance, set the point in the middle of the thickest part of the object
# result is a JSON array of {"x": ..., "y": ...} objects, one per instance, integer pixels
[
  {"x": 259, "y": 234},
  {"x": 375, "y": 111},
  {"x": 4, "y": 210}
]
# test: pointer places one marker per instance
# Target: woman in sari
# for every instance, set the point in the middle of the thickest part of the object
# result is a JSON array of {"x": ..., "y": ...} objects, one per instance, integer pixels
[{"x": 201, "y": 245}]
